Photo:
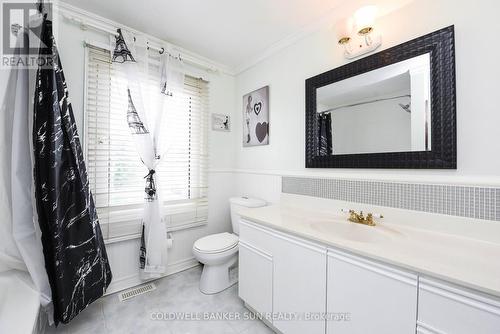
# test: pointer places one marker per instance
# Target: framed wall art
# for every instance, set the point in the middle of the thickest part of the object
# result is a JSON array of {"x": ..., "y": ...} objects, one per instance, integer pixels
[
  {"x": 221, "y": 122},
  {"x": 256, "y": 117}
]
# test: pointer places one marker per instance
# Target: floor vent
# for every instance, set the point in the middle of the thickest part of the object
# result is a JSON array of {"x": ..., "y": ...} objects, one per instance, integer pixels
[{"x": 134, "y": 292}]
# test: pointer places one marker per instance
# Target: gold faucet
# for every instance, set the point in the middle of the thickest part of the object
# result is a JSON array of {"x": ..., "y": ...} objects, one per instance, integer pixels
[{"x": 358, "y": 218}]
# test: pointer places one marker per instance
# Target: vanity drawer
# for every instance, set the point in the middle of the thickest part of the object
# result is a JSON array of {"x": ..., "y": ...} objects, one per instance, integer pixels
[
  {"x": 256, "y": 236},
  {"x": 443, "y": 308},
  {"x": 377, "y": 297}
]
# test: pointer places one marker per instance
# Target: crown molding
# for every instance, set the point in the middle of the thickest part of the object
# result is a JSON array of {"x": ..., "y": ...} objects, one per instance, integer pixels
[
  {"x": 326, "y": 21},
  {"x": 280, "y": 45}
]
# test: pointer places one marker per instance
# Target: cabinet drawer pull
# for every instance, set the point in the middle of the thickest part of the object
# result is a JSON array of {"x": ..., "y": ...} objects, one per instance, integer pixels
[
  {"x": 255, "y": 250},
  {"x": 458, "y": 295},
  {"x": 285, "y": 236},
  {"x": 386, "y": 271},
  {"x": 423, "y": 328}
]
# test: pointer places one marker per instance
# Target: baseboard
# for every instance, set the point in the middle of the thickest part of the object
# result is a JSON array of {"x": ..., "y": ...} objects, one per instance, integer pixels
[{"x": 127, "y": 282}]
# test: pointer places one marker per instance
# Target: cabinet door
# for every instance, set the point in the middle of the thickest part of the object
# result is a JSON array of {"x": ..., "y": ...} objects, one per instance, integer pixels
[
  {"x": 299, "y": 289},
  {"x": 256, "y": 278},
  {"x": 443, "y": 308},
  {"x": 377, "y": 298}
]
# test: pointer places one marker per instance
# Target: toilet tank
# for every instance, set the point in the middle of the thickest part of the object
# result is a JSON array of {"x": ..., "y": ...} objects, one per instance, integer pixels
[{"x": 238, "y": 203}]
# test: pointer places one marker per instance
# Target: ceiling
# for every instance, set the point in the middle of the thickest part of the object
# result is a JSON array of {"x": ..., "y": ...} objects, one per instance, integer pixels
[{"x": 230, "y": 32}]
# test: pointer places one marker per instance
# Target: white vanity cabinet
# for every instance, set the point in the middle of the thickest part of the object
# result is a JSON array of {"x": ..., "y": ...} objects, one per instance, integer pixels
[
  {"x": 447, "y": 309},
  {"x": 378, "y": 298},
  {"x": 283, "y": 275}
]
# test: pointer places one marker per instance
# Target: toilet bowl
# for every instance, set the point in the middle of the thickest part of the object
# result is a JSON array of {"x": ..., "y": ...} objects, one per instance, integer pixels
[{"x": 219, "y": 252}]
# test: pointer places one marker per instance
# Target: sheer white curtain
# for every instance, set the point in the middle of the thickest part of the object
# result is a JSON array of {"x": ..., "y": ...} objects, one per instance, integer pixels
[
  {"x": 10, "y": 258},
  {"x": 148, "y": 100},
  {"x": 20, "y": 237}
]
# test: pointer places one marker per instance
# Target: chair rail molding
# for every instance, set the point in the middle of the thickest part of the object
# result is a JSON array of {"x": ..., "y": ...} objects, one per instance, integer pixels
[{"x": 444, "y": 178}]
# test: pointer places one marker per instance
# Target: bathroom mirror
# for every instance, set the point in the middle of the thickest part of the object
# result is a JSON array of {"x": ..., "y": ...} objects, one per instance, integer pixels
[
  {"x": 394, "y": 109},
  {"x": 384, "y": 110}
]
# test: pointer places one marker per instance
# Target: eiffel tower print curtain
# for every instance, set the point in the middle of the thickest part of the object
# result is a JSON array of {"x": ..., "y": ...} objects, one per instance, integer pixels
[
  {"x": 75, "y": 256},
  {"x": 144, "y": 117}
]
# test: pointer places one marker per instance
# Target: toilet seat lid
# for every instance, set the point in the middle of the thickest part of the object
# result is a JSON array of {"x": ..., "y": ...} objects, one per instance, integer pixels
[{"x": 216, "y": 243}]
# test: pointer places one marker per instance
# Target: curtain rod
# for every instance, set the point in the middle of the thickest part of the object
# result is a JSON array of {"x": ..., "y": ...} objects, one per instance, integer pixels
[
  {"x": 161, "y": 50},
  {"x": 112, "y": 30},
  {"x": 362, "y": 103}
]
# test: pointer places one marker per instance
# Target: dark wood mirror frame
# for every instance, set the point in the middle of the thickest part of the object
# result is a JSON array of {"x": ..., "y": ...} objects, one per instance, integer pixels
[{"x": 443, "y": 154}]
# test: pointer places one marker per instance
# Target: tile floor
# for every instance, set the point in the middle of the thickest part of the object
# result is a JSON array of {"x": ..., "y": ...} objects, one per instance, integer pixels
[{"x": 176, "y": 293}]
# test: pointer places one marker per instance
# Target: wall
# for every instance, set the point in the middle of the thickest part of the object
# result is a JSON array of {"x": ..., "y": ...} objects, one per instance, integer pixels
[
  {"x": 124, "y": 255},
  {"x": 477, "y": 85}
]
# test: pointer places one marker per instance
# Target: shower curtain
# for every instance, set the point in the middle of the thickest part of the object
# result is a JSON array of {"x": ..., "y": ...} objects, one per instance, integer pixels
[
  {"x": 145, "y": 109},
  {"x": 325, "y": 147},
  {"x": 20, "y": 244},
  {"x": 73, "y": 246}
]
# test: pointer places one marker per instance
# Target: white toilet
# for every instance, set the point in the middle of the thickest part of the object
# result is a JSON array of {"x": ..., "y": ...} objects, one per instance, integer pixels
[{"x": 219, "y": 252}]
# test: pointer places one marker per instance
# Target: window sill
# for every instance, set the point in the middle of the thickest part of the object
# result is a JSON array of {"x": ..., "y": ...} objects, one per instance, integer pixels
[{"x": 170, "y": 229}]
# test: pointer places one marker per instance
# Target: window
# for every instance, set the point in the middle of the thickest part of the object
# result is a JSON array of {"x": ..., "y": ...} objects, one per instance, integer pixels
[{"x": 116, "y": 174}]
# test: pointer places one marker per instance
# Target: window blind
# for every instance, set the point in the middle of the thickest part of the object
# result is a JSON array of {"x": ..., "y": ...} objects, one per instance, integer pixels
[{"x": 116, "y": 174}]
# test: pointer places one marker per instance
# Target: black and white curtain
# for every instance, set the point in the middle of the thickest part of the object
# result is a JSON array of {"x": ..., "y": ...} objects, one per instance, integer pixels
[
  {"x": 73, "y": 245},
  {"x": 325, "y": 147},
  {"x": 146, "y": 106}
]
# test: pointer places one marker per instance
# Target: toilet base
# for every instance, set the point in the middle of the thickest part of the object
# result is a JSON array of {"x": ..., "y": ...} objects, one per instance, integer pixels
[{"x": 216, "y": 278}]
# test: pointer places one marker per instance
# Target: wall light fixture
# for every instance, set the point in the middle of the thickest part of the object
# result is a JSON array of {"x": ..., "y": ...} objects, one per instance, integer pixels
[{"x": 357, "y": 34}]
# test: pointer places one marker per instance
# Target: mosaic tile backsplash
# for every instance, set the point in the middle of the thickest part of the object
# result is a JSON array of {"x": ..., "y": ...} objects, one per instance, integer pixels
[{"x": 463, "y": 201}]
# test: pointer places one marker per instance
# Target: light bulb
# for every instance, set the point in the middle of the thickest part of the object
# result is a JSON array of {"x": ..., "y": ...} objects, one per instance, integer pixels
[{"x": 364, "y": 19}]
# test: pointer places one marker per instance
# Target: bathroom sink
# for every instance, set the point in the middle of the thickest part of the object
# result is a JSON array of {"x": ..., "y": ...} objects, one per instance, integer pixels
[{"x": 355, "y": 232}]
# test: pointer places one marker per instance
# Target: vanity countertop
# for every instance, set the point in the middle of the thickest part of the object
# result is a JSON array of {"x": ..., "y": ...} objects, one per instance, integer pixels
[{"x": 464, "y": 261}]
